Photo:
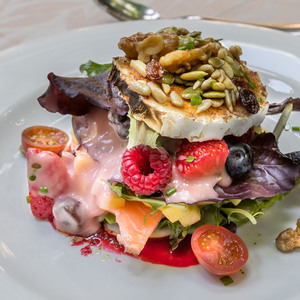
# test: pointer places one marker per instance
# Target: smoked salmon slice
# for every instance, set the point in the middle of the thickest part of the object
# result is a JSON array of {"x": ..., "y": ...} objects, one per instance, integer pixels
[{"x": 135, "y": 229}]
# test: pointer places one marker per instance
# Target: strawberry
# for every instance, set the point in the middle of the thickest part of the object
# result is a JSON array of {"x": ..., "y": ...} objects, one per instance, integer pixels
[
  {"x": 41, "y": 206},
  {"x": 202, "y": 158}
]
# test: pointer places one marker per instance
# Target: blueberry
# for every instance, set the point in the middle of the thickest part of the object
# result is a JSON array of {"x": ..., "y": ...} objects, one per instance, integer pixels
[{"x": 240, "y": 160}]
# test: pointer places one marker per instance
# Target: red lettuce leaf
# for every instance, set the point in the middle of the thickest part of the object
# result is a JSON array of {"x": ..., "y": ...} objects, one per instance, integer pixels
[
  {"x": 272, "y": 173},
  {"x": 77, "y": 95}
]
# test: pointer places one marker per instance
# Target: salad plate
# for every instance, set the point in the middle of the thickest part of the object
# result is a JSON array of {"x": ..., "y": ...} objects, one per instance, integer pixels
[{"x": 36, "y": 262}]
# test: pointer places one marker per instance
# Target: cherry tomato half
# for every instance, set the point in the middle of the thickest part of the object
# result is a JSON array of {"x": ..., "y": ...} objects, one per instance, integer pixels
[
  {"x": 44, "y": 138},
  {"x": 219, "y": 250}
]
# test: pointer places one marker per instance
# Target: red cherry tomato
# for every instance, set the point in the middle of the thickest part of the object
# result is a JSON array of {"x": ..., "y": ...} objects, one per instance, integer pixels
[
  {"x": 44, "y": 138},
  {"x": 219, "y": 250}
]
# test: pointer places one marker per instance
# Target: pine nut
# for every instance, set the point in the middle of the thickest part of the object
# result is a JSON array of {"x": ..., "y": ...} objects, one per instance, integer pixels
[
  {"x": 216, "y": 74},
  {"x": 233, "y": 97},
  {"x": 138, "y": 66},
  {"x": 197, "y": 84},
  {"x": 140, "y": 88},
  {"x": 218, "y": 86},
  {"x": 217, "y": 102},
  {"x": 228, "y": 59},
  {"x": 222, "y": 53},
  {"x": 206, "y": 84},
  {"x": 222, "y": 76},
  {"x": 193, "y": 75},
  {"x": 228, "y": 83},
  {"x": 157, "y": 93},
  {"x": 166, "y": 88},
  {"x": 227, "y": 68},
  {"x": 176, "y": 99},
  {"x": 206, "y": 104},
  {"x": 228, "y": 102}
]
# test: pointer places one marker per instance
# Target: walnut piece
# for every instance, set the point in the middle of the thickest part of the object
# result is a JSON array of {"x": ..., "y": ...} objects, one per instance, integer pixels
[{"x": 289, "y": 239}]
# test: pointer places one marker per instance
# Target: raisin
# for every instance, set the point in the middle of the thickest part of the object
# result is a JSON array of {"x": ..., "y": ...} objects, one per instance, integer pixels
[
  {"x": 249, "y": 101},
  {"x": 154, "y": 70}
]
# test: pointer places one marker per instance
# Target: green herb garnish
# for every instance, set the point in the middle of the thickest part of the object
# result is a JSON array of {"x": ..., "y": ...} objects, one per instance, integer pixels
[
  {"x": 91, "y": 68},
  {"x": 196, "y": 100},
  {"x": 226, "y": 280},
  {"x": 190, "y": 159},
  {"x": 190, "y": 45},
  {"x": 28, "y": 199},
  {"x": 43, "y": 190},
  {"x": 251, "y": 84},
  {"x": 295, "y": 128},
  {"x": 171, "y": 191}
]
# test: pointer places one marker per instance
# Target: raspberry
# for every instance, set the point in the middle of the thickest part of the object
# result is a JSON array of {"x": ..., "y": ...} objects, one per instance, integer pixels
[{"x": 146, "y": 170}]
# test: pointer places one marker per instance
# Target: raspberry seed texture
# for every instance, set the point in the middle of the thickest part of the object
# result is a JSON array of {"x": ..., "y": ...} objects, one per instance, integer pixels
[{"x": 146, "y": 170}]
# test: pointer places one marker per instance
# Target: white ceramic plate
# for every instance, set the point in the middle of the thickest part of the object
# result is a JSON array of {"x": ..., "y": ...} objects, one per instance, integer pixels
[{"x": 38, "y": 263}]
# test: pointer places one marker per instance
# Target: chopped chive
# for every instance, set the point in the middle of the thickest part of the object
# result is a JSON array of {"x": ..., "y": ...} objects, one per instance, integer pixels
[
  {"x": 171, "y": 191},
  {"x": 190, "y": 159},
  {"x": 212, "y": 82},
  {"x": 201, "y": 78},
  {"x": 196, "y": 100},
  {"x": 28, "y": 199},
  {"x": 251, "y": 84},
  {"x": 43, "y": 190},
  {"x": 295, "y": 128},
  {"x": 32, "y": 178},
  {"x": 259, "y": 99},
  {"x": 226, "y": 280}
]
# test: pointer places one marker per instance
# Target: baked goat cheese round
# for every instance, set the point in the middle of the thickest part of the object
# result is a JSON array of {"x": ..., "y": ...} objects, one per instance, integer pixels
[{"x": 184, "y": 86}]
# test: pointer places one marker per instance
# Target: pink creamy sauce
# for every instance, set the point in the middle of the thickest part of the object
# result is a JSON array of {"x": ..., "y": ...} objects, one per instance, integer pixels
[{"x": 86, "y": 193}]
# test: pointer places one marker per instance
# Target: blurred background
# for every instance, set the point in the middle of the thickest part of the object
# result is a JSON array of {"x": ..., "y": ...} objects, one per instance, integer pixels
[{"x": 21, "y": 20}]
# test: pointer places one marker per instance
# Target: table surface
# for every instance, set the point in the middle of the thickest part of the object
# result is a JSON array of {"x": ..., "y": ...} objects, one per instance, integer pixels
[{"x": 22, "y": 21}]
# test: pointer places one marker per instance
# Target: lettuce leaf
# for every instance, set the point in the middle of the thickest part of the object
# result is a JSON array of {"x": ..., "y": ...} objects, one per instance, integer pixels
[
  {"x": 92, "y": 68},
  {"x": 140, "y": 133}
]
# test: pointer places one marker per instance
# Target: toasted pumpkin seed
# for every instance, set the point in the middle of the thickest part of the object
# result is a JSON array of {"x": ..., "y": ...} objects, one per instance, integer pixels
[
  {"x": 167, "y": 78},
  {"x": 214, "y": 94},
  {"x": 176, "y": 99},
  {"x": 166, "y": 88},
  {"x": 157, "y": 93},
  {"x": 206, "y": 68},
  {"x": 189, "y": 93},
  {"x": 228, "y": 102},
  {"x": 218, "y": 86},
  {"x": 138, "y": 66},
  {"x": 193, "y": 75},
  {"x": 140, "y": 88},
  {"x": 178, "y": 80},
  {"x": 206, "y": 104},
  {"x": 217, "y": 102},
  {"x": 215, "y": 62}
]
